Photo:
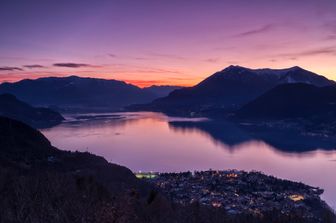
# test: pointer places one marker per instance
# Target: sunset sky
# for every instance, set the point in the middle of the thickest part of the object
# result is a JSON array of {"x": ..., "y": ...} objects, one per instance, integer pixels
[{"x": 178, "y": 42}]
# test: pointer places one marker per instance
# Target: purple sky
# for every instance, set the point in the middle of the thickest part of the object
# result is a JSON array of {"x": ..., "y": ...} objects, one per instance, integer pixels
[{"x": 163, "y": 42}]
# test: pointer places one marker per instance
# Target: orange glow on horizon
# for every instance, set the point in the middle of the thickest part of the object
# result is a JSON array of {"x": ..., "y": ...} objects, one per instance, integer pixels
[
  {"x": 139, "y": 83},
  {"x": 148, "y": 83},
  {"x": 186, "y": 77}
]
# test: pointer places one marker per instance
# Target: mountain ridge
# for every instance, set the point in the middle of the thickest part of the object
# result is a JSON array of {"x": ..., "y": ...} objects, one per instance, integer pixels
[
  {"x": 75, "y": 93},
  {"x": 229, "y": 89},
  {"x": 292, "y": 101},
  {"x": 37, "y": 117}
]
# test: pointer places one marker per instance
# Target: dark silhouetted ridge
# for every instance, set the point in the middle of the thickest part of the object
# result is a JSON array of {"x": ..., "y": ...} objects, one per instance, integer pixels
[
  {"x": 75, "y": 93},
  {"x": 293, "y": 101},
  {"x": 11, "y": 107}
]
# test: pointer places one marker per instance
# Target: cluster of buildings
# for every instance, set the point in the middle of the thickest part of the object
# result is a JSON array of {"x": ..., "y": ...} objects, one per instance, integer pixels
[{"x": 237, "y": 191}]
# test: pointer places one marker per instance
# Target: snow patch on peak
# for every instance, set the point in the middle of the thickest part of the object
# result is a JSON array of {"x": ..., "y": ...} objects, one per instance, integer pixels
[
  {"x": 273, "y": 72},
  {"x": 295, "y": 68},
  {"x": 262, "y": 71},
  {"x": 236, "y": 67}
]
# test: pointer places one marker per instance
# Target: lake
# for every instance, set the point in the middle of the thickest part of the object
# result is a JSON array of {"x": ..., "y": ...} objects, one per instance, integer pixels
[{"x": 147, "y": 141}]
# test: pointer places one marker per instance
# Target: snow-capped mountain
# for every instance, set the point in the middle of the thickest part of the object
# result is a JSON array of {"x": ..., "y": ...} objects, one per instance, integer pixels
[
  {"x": 277, "y": 76},
  {"x": 231, "y": 88}
]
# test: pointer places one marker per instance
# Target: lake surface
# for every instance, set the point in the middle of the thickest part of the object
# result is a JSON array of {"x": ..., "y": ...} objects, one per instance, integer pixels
[{"x": 154, "y": 142}]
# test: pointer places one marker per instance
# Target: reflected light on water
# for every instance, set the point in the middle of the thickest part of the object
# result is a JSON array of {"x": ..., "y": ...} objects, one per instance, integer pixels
[{"x": 149, "y": 142}]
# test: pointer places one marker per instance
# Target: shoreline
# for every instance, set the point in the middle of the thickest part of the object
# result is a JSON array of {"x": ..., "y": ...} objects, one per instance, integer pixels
[{"x": 239, "y": 192}]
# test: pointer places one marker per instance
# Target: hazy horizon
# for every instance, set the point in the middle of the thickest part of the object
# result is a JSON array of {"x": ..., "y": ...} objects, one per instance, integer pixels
[{"x": 147, "y": 84}]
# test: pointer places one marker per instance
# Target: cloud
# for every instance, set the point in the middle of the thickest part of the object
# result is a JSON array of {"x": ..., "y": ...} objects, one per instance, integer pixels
[
  {"x": 221, "y": 48},
  {"x": 141, "y": 58},
  {"x": 34, "y": 66},
  {"x": 331, "y": 37},
  {"x": 11, "y": 69},
  {"x": 72, "y": 65},
  {"x": 330, "y": 25},
  {"x": 321, "y": 51},
  {"x": 327, "y": 50},
  {"x": 212, "y": 60},
  {"x": 263, "y": 29},
  {"x": 169, "y": 56},
  {"x": 158, "y": 70},
  {"x": 112, "y": 55}
]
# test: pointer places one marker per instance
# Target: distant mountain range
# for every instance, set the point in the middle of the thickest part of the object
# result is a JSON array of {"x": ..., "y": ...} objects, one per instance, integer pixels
[
  {"x": 220, "y": 94},
  {"x": 229, "y": 89},
  {"x": 11, "y": 107},
  {"x": 161, "y": 90},
  {"x": 81, "y": 94}
]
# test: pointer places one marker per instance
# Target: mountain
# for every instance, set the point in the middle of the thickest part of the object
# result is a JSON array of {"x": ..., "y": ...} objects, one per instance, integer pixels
[
  {"x": 308, "y": 108},
  {"x": 11, "y": 107},
  {"x": 229, "y": 89},
  {"x": 290, "y": 101},
  {"x": 77, "y": 93},
  {"x": 23, "y": 146},
  {"x": 161, "y": 90}
]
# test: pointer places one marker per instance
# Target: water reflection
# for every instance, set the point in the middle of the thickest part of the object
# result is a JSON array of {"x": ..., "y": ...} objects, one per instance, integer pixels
[
  {"x": 152, "y": 141},
  {"x": 231, "y": 134}
]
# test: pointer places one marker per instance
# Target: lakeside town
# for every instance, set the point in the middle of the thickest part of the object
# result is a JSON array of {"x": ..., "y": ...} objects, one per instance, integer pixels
[{"x": 238, "y": 192}]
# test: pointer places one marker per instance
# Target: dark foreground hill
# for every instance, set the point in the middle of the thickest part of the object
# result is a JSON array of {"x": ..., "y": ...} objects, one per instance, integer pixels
[
  {"x": 39, "y": 183},
  {"x": 313, "y": 106},
  {"x": 11, "y": 107},
  {"x": 229, "y": 89},
  {"x": 293, "y": 101}
]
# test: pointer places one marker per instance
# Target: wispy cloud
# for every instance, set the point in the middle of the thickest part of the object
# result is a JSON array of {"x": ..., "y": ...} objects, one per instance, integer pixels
[
  {"x": 330, "y": 37},
  {"x": 73, "y": 65},
  {"x": 328, "y": 50},
  {"x": 321, "y": 51},
  {"x": 141, "y": 58},
  {"x": 211, "y": 60},
  {"x": 33, "y": 66},
  {"x": 330, "y": 25},
  {"x": 330, "y": 28},
  {"x": 158, "y": 71},
  {"x": 169, "y": 56},
  {"x": 112, "y": 55},
  {"x": 263, "y": 29},
  {"x": 11, "y": 69}
]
